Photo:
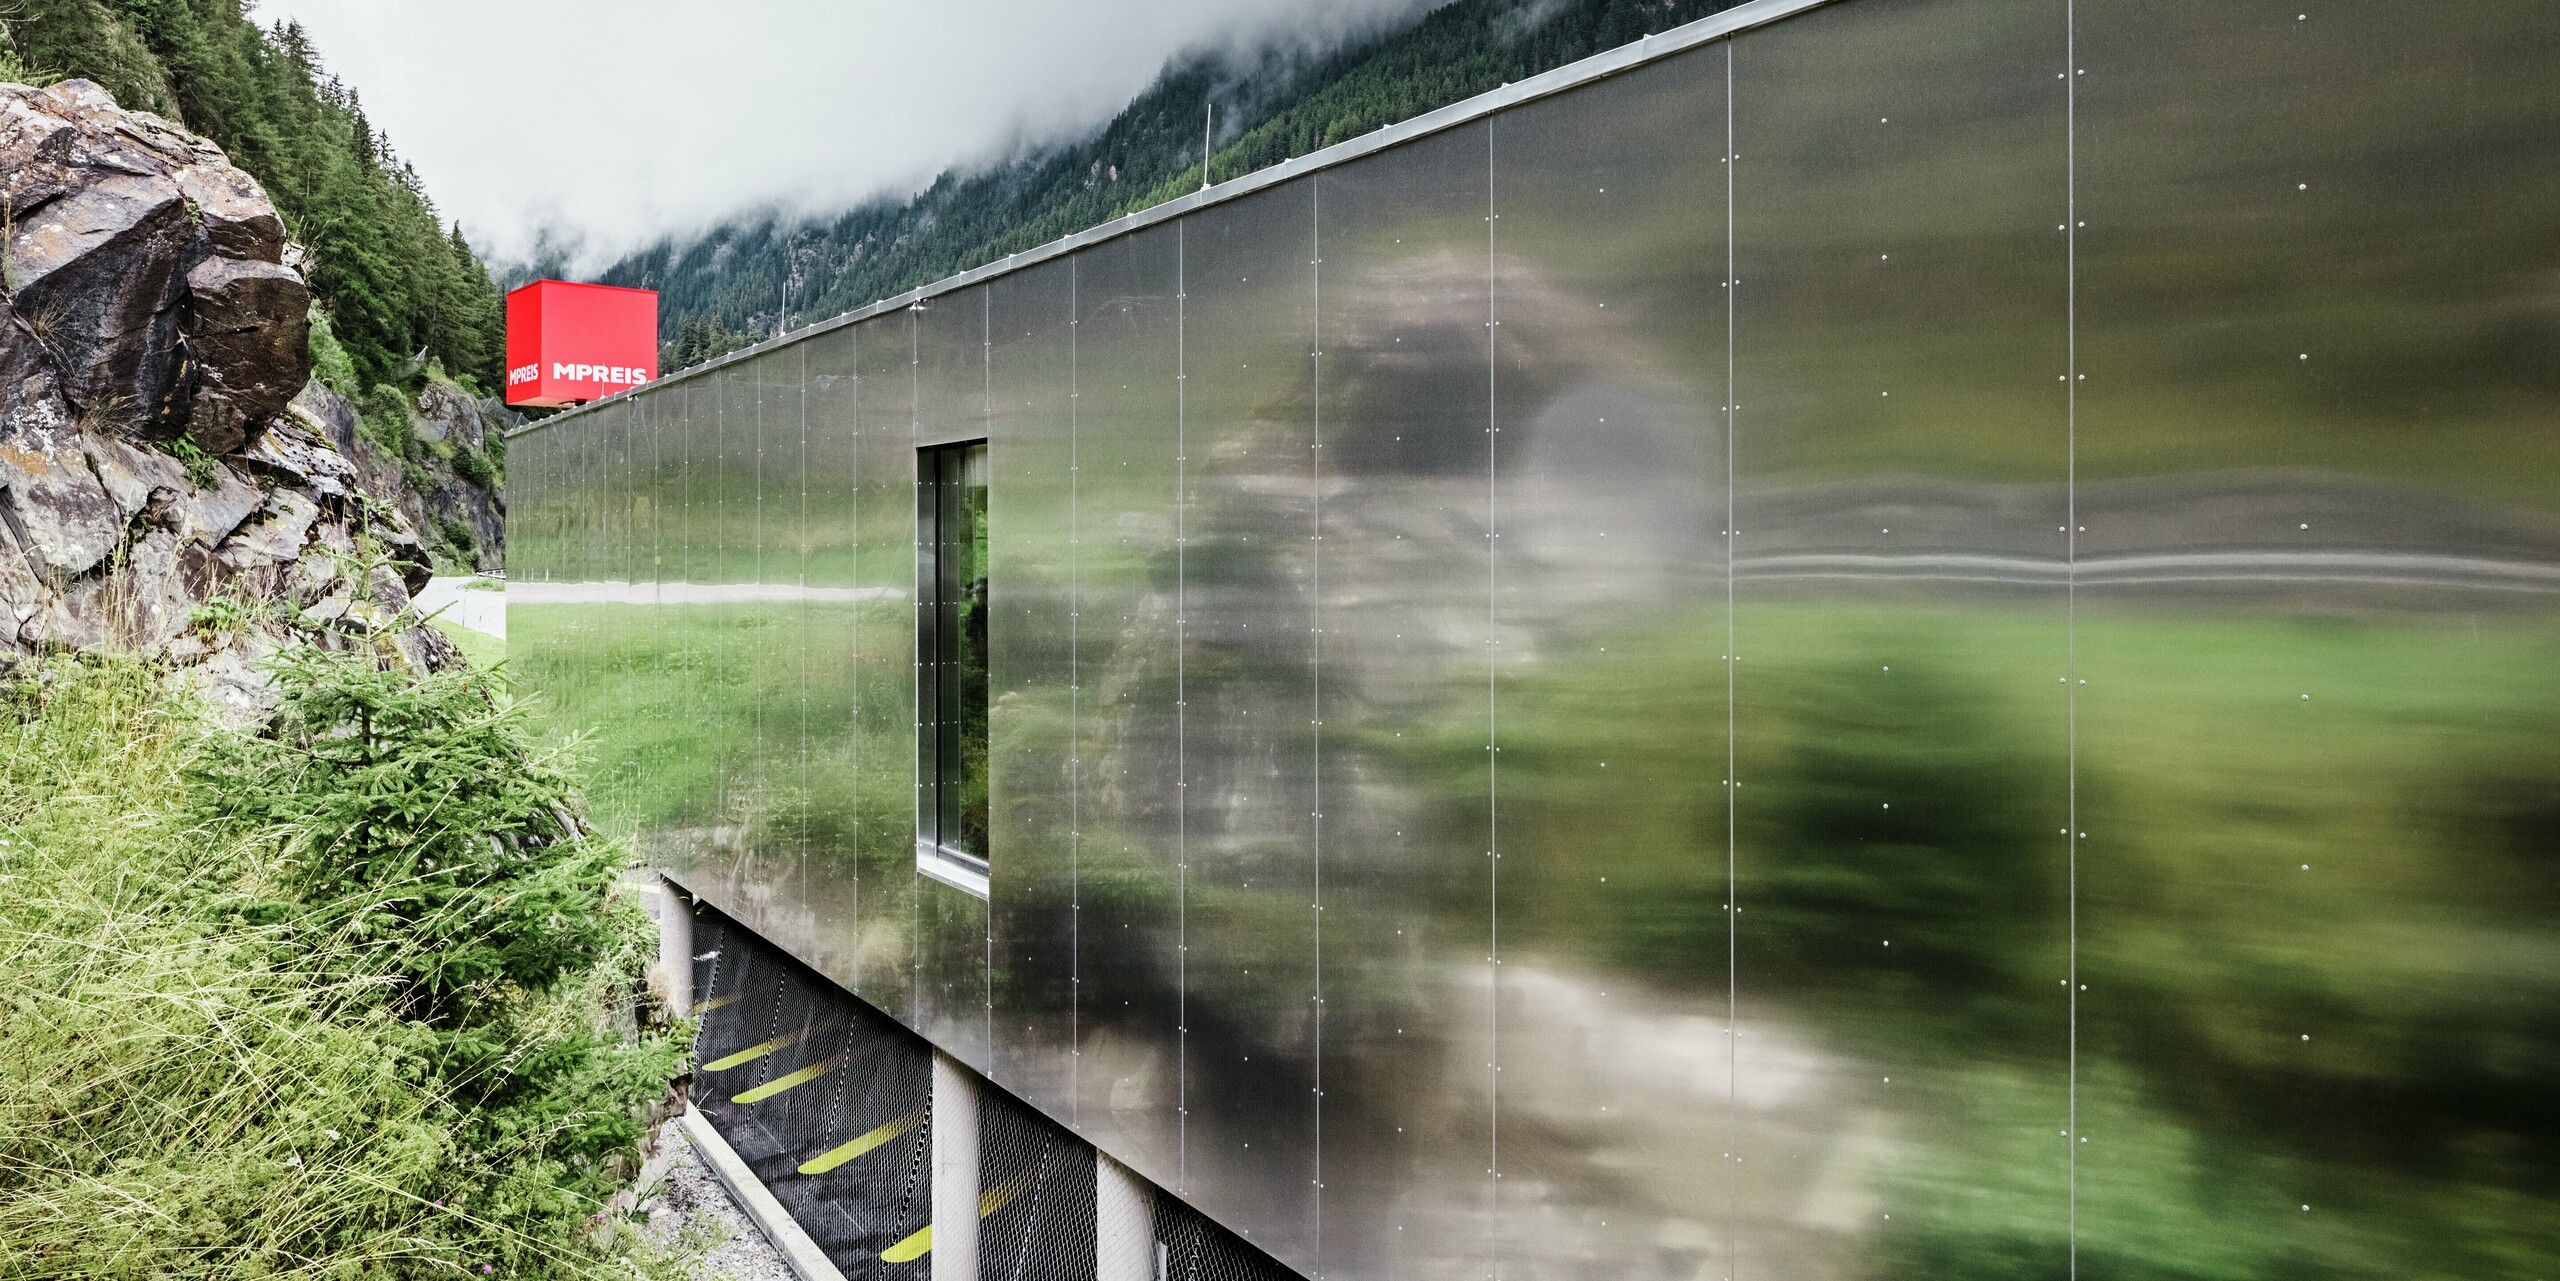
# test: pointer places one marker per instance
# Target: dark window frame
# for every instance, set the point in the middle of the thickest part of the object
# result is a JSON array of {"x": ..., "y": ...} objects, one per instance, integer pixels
[{"x": 951, "y": 667}]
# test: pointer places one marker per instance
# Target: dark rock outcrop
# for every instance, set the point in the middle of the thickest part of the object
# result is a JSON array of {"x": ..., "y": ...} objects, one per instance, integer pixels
[
  {"x": 148, "y": 269},
  {"x": 155, "y": 495},
  {"x": 465, "y": 519}
]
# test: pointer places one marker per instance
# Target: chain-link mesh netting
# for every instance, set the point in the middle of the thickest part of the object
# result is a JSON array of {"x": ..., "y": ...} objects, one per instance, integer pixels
[
  {"x": 1036, "y": 1195},
  {"x": 826, "y": 1099},
  {"x": 1192, "y": 1248},
  {"x": 830, "y": 1103}
]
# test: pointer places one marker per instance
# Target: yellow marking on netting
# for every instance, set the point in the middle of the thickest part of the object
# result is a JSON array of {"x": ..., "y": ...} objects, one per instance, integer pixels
[
  {"x": 793, "y": 1081},
  {"x": 994, "y": 1198},
  {"x": 913, "y": 1248},
  {"x": 754, "y": 1052},
  {"x": 989, "y": 1201},
  {"x": 705, "y": 1007},
  {"x": 843, "y": 1152}
]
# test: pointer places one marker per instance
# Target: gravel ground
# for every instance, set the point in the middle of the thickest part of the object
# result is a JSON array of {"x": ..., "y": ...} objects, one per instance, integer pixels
[{"x": 689, "y": 1205}]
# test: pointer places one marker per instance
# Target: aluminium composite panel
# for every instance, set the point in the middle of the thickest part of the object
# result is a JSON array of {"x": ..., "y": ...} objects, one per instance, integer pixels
[
  {"x": 1401, "y": 939},
  {"x": 884, "y": 662},
  {"x": 1030, "y": 641},
  {"x": 2319, "y": 593},
  {"x": 831, "y": 618},
  {"x": 1249, "y": 744},
  {"x": 1126, "y": 749},
  {"x": 951, "y": 924},
  {"x": 1610, "y": 482},
  {"x": 1901, "y": 739}
]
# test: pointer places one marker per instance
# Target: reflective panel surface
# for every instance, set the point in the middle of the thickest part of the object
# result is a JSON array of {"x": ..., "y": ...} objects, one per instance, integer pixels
[
  {"x": 1611, "y": 687},
  {"x": 2321, "y": 494},
  {"x": 1917, "y": 643},
  {"x": 953, "y": 1002},
  {"x": 1031, "y": 654},
  {"x": 883, "y": 516},
  {"x": 1125, "y": 754},
  {"x": 1402, "y": 582},
  {"x": 1900, "y": 630},
  {"x": 1248, "y": 751}
]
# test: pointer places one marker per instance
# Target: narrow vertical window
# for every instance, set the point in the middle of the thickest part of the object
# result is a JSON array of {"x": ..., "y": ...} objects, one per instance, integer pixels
[{"x": 951, "y": 664}]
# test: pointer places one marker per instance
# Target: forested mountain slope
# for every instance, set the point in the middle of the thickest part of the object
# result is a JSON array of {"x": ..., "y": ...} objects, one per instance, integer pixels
[{"x": 724, "y": 289}]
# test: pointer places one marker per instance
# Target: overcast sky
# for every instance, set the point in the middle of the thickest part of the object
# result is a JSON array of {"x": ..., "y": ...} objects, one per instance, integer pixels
[{"x": 624, "y": 119}]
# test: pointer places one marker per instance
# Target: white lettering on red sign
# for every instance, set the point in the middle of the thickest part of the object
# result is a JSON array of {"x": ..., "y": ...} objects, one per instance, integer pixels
[{"x": 623, "y": 375}]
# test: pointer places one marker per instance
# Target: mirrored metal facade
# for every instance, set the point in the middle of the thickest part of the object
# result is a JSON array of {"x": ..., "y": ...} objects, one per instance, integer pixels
[{"x": 1921, "y": 639}]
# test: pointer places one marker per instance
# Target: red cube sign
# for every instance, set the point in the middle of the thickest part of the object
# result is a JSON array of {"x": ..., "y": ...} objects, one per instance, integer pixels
[{"x": 569, "y": 343}]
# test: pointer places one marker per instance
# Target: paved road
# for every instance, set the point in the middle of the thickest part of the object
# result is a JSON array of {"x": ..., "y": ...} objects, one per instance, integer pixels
[{"x": 466, "y": 606}]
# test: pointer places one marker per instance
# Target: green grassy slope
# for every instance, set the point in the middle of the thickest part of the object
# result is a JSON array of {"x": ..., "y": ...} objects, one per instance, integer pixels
[{"x": 315, "y": 1004}]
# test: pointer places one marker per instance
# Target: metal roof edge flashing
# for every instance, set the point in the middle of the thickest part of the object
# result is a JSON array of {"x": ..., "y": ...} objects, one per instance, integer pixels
[{"x": 1572, "y": 75}]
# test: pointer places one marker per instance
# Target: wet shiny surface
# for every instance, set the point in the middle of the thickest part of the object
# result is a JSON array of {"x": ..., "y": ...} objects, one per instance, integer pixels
[{"x": 2094, "y": 809}]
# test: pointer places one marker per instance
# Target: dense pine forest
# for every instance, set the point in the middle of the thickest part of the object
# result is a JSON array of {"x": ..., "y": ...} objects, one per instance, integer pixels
[
  {"x": 397, "y": 288},
  {"x": 725, "y": 289}
]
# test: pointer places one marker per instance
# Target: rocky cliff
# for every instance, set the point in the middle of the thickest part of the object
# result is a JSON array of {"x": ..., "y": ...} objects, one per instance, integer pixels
[{"x": 158, "y": 491}]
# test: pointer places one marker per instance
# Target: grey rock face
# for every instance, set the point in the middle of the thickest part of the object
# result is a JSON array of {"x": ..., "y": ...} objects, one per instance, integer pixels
[
  {"x": 250, "y": 330},
  {"x": 466, "y": 521},
  {"x": 146, "y": 307},
  {"x": 147, "y": 268}
]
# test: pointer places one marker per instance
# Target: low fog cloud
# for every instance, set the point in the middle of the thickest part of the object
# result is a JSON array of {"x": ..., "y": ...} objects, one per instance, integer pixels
[{"x": 618, "y": 122}]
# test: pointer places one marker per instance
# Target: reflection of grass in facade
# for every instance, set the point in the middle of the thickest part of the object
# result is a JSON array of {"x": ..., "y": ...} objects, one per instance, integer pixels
[
  {"x": 2207, "y": 782},
  {"x": 710, "y": 715}
]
